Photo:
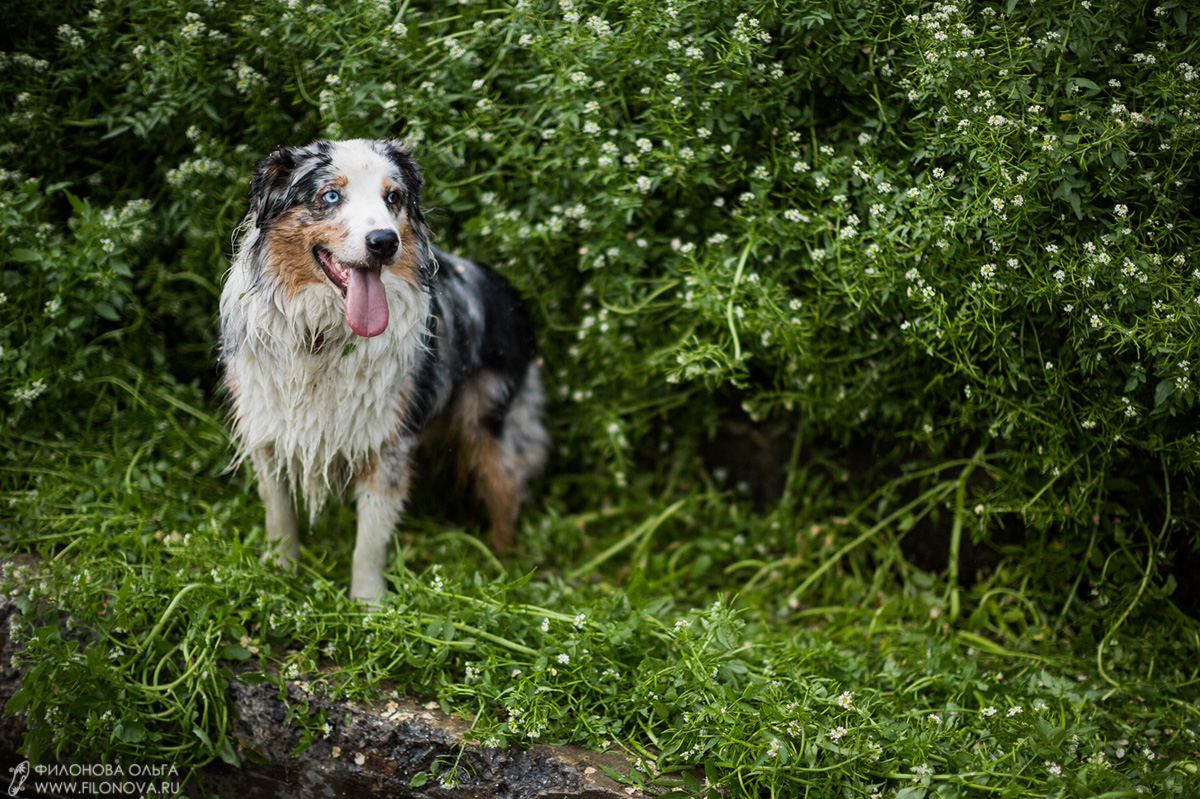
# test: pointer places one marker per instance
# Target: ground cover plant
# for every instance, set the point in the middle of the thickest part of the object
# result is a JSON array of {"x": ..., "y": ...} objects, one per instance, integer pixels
[{"x": 869, "y": 330}]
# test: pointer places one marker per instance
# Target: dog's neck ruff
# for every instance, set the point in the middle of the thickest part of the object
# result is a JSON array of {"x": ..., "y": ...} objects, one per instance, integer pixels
[{"x": 304, "y": 386}]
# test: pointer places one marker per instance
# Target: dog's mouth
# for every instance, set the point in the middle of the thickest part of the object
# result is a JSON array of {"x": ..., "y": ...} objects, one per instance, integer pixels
[{"x": 362, "y": 292}]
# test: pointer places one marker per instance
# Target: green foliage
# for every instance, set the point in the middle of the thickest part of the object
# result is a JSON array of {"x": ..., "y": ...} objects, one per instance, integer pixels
[{"x": 943, "y": 255}]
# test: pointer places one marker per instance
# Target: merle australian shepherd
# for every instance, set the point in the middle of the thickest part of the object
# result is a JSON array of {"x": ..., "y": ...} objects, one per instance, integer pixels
[{"x": 347, "y": 339}]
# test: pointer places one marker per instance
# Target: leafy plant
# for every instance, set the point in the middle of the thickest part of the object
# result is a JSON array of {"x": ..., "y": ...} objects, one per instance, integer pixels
[{"x": 869, "y": 335}]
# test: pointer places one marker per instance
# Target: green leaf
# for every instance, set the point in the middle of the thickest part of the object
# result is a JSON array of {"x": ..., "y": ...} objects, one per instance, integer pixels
[
  {"x": 1163, "y": 391},
  {"x": 615, "y": 776},
  {"x": 203, "y": 736},
  {"x": 519, "y": 582},
  {"x": 256, "y": 677},
  {"x": 419, "y": 779},
  {"x": 228, "y": 753},
  {"x": 77, "y": 205},
  {"x": 129, "y": 732},
  {"x": 18, "y": 701}
]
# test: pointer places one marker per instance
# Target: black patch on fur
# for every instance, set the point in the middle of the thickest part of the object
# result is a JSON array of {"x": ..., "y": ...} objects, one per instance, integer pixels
[
  {"x": 508, "y": 344},
  {"x": 410, "y": 175},
  {"x": 425, "y": 382},
  {"x": 458, "y": 350},
  {"x": 287, "y": 177}
]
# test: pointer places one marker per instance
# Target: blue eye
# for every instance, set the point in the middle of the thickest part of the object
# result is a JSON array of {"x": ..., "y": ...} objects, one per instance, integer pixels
[
  {"x": 392, "y": 197},
  {"x": 332, "y": 197}
]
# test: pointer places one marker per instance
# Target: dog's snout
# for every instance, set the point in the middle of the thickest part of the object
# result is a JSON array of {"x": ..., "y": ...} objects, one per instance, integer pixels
[{"x": 383, "y": 243}]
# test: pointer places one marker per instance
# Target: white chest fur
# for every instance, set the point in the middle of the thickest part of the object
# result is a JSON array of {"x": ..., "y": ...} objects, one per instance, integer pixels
[{"x": 322, "y": 399}]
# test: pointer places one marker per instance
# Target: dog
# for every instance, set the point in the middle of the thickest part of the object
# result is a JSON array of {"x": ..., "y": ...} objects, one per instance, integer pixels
[{"x": 347, "y": 339}]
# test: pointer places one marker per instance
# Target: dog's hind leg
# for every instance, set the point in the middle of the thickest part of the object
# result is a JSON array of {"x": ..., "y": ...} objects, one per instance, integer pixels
[
  {"x": 283, "y": 535},
  {"x": 381, "y": 490},
  {"x": 502, "y": 452}
]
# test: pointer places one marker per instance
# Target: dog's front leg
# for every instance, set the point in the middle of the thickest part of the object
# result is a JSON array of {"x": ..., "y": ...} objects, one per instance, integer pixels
[
  {"x": 283, "y": 535},
  {"x": 381, "y": 493}
]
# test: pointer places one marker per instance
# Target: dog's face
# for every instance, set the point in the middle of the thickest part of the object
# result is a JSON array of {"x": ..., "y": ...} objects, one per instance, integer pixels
[{"x": 337, "y": 214}]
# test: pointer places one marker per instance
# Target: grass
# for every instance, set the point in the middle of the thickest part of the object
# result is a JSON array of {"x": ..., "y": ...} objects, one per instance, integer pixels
[
  {"x": 791, "y": 653},
  {"x": 929, "y": 269}
]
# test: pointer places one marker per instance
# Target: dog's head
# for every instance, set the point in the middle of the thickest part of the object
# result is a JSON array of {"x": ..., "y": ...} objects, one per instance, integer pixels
[{"x": 340, "y": 213}]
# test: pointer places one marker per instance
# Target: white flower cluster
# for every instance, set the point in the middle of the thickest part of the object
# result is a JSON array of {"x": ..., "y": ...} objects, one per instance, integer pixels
[
  {"x": 244, "y": 77},
  {"x": 194, "y": 27},
  {"x": 30, "y": 392},
  {"x": 202, "y": 166},
  {"x": 599, "y": 26},
  {"x": 71, "y": 36},
  {"x": 746, "y": 30}
]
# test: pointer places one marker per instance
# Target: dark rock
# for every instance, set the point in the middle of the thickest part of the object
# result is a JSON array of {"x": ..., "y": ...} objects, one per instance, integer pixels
[{"x": 399, "y": 749}]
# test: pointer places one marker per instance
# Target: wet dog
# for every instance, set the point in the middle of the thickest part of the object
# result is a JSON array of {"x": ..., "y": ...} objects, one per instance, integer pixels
[{"x": 347, "y": 338}]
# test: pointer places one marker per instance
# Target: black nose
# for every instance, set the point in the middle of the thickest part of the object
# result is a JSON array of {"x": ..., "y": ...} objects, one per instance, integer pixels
[{"x": 383, "y": 243}]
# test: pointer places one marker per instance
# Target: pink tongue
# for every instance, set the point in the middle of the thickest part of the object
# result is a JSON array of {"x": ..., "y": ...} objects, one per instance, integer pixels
[{"x": 366, "y": 304}]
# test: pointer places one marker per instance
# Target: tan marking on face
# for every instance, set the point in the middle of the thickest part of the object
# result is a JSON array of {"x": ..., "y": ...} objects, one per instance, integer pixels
[
  {"x": 407, "y": 265},
  {"x": 290, "y": 243}
]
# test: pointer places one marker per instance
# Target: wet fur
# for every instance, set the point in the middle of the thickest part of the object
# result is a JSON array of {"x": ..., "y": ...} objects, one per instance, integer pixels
[{"x": 317, "y": 408}]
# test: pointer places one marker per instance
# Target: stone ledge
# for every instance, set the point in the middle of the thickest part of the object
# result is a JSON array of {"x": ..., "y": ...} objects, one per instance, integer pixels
[{"x": 371, "y": 751}]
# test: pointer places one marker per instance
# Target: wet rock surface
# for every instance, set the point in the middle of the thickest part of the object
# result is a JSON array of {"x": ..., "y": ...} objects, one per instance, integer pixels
[
  {"x": 402, "y": 749},
  {"x": 397, "y": 749}
]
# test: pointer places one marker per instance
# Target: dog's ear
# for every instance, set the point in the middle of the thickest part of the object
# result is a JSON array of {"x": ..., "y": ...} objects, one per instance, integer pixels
[{"x": 277, "y": 184}]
